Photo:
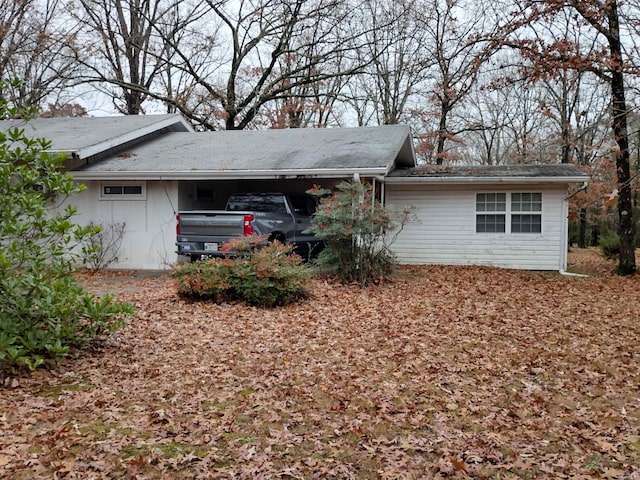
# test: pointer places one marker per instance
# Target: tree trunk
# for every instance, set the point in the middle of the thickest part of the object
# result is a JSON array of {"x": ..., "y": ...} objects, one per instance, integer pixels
[
  {"x": 582, "y": 232},
  {"x": 627, "y": 263},
  {"x": 133, "y": 101},
  {"x": 442, "y": 134},
  {"x": 566, "y": 141},
  {"x": 595, "y": 235}
]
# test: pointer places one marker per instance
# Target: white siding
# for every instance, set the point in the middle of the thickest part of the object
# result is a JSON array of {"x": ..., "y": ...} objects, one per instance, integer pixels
[
  {"x": 150, "y": 234},
  {"x": 445, "y": 232}
]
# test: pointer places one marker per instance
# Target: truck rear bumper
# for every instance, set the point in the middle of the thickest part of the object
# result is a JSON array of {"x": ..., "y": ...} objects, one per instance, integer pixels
[{"x": 200, "y": 249}]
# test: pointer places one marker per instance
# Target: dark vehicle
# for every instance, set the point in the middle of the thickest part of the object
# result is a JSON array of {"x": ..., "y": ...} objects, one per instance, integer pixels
[{"x": 280, "y": 216}]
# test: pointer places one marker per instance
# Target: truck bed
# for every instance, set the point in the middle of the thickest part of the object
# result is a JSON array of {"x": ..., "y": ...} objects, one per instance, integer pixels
[
  {"x": 276, "y": 216},
  {"x": 202, "y": 222},
  {"x": 202, "y": 232}
]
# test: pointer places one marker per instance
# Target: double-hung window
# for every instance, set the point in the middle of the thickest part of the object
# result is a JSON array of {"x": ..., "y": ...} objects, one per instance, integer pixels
[
  {"x": 491, "y": 212},
  {"x": 526, "y": 212},
  {"x": 517, "y": 212}
]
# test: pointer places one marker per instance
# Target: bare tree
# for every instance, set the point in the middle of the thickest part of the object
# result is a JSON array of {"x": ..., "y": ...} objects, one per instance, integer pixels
[
  {"x": 189, "y": 51},
  {"x": 220, "y": 62},
  {"x": 35, "y": 48},
  {"x": 562, "y": 85},
  {"x": 277, "y": 49},
  {"x": 397, "y": 65},
  {"x": 505, "y": 119},
  {"x": 313, "y": 103},
  {"x": 490, "y": 111},
  {"x": 121, "y": 60},
  {"x": 609, "y": 60},
  {"x": 460, "y": 41}
]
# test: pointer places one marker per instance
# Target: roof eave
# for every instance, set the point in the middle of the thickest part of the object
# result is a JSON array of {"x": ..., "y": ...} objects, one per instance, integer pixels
[
  {"x": 484, "y": 180},
  {"x": 227, "y": 174}
]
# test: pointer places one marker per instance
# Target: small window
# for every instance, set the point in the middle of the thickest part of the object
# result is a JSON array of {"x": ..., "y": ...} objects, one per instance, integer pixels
[
  {"x": 495, "y": 221},
  {"x": 526, "y": 212},
  {"x": 123, "y": 191},
  {"x": 112, "y": 189}
]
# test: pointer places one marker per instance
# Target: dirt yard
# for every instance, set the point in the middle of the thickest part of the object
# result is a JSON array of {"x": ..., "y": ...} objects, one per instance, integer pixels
[{"x": 444, "y": 372}]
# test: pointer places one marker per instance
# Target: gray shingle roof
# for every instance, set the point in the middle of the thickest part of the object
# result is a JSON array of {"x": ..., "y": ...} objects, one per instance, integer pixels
[
  {"x": 261, "y": 153},
  {"x": 87, "y": 136},
  {"x": 489, "y": 173}
]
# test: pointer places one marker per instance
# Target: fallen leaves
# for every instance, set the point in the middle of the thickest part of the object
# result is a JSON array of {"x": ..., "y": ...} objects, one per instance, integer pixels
[{"x": 446, "y": 372}]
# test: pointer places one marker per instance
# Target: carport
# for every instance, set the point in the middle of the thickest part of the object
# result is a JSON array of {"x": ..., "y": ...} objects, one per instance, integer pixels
[{"x": 160, "y": 176}]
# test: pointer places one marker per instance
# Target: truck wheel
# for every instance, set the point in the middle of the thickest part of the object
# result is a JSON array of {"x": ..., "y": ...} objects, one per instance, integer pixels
[{"x": 278, "y": 237}]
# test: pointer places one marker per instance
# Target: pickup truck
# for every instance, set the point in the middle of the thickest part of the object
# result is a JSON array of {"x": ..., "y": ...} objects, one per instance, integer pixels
[{"x": 281, "y": 216}]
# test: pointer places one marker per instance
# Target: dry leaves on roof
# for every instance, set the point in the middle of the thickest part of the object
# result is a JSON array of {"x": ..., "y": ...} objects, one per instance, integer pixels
[{"x": 446, "y": 372}]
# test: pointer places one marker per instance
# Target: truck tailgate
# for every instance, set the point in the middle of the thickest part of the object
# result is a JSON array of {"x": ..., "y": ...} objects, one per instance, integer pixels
[{"x": 212, "y": 223}]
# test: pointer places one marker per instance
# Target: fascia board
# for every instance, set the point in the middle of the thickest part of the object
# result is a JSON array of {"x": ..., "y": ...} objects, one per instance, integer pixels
[
  {"x": 133, "y": 135},
  {"x": 53, "y": 151},
  {"x": 483, "y": 180},
  {"x": 226, "y": 175}
]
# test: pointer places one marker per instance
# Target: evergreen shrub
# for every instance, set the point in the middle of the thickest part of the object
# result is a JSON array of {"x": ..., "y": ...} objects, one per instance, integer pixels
[
  {"x": 258, "y": 274},
  {"x": 358, "y": 232},
  {"x": 610, "y": 245},
  {"x": 44, "y": 311}
]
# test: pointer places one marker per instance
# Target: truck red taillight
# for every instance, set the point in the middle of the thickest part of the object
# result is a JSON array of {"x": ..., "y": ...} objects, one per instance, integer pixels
[
  {"x": 177, "y": 224},
  {"x": 248, "y": 228}
]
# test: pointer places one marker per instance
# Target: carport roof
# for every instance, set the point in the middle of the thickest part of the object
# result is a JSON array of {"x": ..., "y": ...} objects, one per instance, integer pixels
[
  {"x": 489, "y": 174},
  {"x": 84, "y": 137},
  {"x": 304, "y": 152}
]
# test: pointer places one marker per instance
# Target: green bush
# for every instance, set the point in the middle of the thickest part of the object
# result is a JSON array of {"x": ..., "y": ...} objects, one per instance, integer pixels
[
  {"x": 356, "y": 229},
  {"x": 56, "y": 315},
  {"x": 263, "y": 276},
  {"x": 44, "y": 311},
  {"x": 205, "y": 280},
  {"x": 610, "y": 245}
]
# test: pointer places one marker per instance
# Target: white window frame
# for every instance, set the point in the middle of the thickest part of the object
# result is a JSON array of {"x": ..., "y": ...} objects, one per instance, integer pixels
[
  {"x": 123, "y": 196},
  {"x": 491, "y": 207},
  {"x": 530, "y": 204},
  {"x": 509, "y": 211}
]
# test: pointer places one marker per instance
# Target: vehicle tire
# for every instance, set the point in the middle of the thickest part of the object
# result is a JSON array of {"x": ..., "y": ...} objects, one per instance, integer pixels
[{"x": 278, "y": 237}]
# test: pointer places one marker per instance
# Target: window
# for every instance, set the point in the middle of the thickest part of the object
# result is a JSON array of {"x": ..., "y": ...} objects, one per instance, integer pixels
[
  {"x": 524, "y": 210},
  {"x": 259, "y": 202},
  {"x": 496, "y": 204},
  {"x": 123, "y": 191}
]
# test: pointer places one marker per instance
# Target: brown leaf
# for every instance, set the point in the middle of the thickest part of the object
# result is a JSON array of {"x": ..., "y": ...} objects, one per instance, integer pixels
[
  {"x": 442, "y": 372},
  {"x": 459, "y": 465}
]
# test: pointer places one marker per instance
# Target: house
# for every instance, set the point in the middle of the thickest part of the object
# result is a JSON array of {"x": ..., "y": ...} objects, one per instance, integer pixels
[
  {"x": 504, "y": 216},
  {"x": 141, "y": 170}
]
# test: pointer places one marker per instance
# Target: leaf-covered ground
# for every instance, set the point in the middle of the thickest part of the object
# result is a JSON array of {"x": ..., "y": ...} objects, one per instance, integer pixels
[{"x": 446, "y": 372}]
